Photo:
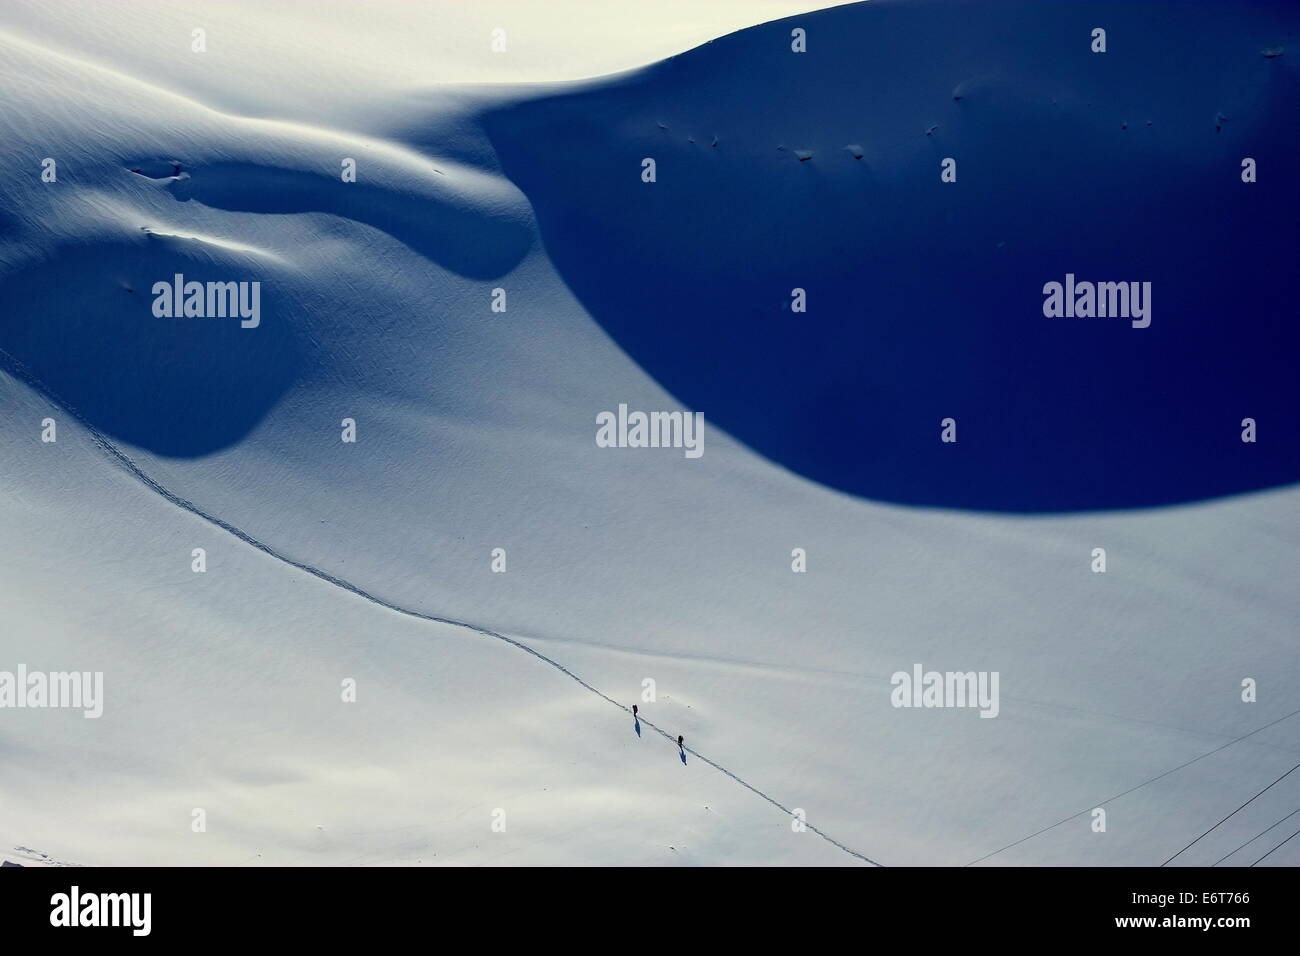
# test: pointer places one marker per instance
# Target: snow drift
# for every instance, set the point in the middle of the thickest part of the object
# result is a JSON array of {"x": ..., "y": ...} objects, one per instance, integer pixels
[{"x": 479, "y": 692}]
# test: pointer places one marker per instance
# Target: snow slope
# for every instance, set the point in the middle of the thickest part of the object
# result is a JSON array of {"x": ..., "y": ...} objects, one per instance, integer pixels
[{"x": 371, "y": 561}]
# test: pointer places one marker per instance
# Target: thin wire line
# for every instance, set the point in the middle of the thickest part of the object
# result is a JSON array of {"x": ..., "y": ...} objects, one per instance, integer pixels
[
  {"x": 1255, "y": 837},
  {"x": 1270, "y": 852},
  {"x": 1234, "y": 812},
  {"x": 1208, "y": 753}
]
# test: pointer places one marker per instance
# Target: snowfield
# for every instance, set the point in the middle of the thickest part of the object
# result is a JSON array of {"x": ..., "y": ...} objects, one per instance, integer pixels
[{"x": 492, "y": 716}]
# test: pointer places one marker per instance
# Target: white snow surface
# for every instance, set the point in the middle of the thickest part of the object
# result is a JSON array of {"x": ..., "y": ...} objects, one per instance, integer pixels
[{"x": 476, "y": 432}]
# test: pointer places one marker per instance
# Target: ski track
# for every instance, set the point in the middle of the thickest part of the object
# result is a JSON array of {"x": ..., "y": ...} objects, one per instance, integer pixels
[{"x": 19, "y": 370}]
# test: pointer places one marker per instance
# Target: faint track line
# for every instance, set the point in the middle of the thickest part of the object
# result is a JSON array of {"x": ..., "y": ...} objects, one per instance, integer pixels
[{"x": 125, "y": 461}]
